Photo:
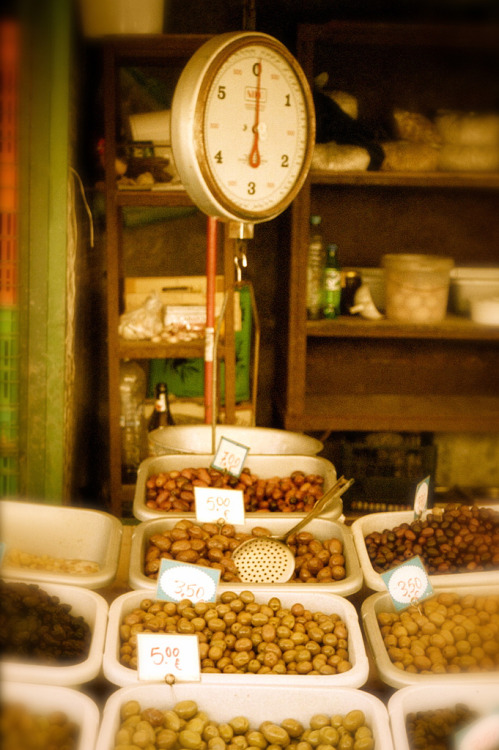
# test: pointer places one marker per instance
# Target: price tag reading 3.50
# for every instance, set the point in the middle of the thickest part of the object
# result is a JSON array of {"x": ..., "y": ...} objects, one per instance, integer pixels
[
  {"x": 214, "y": 504},
  {"x": 408, "y": 583},
  {"x": 179, "y": 580},
  {"x": 163, "y": 654},
  {"x": 230, "y": 456}
]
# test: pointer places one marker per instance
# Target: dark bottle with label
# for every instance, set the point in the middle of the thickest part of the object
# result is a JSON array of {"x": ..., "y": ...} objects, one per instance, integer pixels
[
  {"x": 161, "y": 416},
  {"x": 331, "y": 295}
]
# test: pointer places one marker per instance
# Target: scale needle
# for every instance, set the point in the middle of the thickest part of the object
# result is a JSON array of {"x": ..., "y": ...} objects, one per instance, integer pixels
[{"x": 254, "y": 157}]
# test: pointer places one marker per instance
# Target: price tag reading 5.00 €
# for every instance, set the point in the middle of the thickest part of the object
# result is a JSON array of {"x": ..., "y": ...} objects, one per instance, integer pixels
[
  {"x": 408, "y": 583},
  {"x": 214, "y": 504},
  {"x": 179, "y": 580},
  {"x": 230, "y": 456},
  {"x": 160, "y": 655}
]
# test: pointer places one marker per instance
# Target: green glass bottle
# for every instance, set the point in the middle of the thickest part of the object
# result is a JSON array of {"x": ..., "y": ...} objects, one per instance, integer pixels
[{"x": 331, "y": 292}]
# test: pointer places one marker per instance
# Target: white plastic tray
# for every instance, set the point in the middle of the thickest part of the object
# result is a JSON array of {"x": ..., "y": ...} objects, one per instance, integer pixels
[
  {"x": 263, "y": 466},
  {"x": 365, "y": 525},
  {"x": 61, "y": 532},
  {"x": 258, "y": 704},
  {"x": 321, "y": 528},
  {"x": 43, "y": 699},
  {"x": 480, "y": 697},
  {"x": 94, "y": 608},
  {"x": 398, "y": 678},
  {"x": 328, "y": 603}
]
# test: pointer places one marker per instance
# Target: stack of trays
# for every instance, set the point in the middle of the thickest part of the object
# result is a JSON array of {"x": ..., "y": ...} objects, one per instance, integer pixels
[
  {"x": 264, "y": 467},
  {"x": 256, "y": 703},
  {"x": 481, "y": 698},
  {"x": 61, "y": 533},
  {"x": 43, "y": 700},
  {"x": 321, "y": 529},
  {"x": 365, "y": 525},
  {"x": 328, "y": 604},
  {"x": 93, "y": 609}
]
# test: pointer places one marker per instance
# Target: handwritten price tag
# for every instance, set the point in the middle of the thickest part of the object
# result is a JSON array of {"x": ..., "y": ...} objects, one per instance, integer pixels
[
  {"x": 214, "y": 504},
  {"x": 160, "y": 655},
  {"x": 408, "y": 583},
  {"x": 230, "y": 456},
  {"x": 421, "y": 497},
  {"x": 482, "y": 734},
  {"x": 179, "y": 580}
]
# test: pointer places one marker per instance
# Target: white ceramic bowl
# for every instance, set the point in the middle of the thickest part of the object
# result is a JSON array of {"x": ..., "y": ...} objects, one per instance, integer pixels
[
  {"x": 365, "y": 525},
  {"x": 257, "y": 703},
  {"x": 398, "y": 678},
  {"x": 322, "y": 529},
  {"x": 261, "y": 441},
  {"x": 480, "y": 697},
  {"x": 327, "y": 603},
  {"x": 263, "y": 466},
  {"x": 44, "y": 699},
  {"x": 61, "y": 532},
  {"x": 94, "y": 609}
]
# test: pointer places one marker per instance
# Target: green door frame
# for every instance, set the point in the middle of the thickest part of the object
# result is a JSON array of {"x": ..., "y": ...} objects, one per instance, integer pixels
[{"x": 44, "y": 149}]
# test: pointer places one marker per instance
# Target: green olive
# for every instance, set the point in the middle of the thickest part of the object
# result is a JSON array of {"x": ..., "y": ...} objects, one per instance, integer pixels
[
  {"x": 240, "y": 724},
  {"x": 130, "y": 708},
  {"x": 275, "y": 735},
  {"x": 186, "y": 709},
  {"x": 166, "y": 739},
  {"x": 353, "y": 720},
  {"x": 319, "y": 720},
  {"x": 292, "y": 727},
  {"x": 190, "y": 739}
]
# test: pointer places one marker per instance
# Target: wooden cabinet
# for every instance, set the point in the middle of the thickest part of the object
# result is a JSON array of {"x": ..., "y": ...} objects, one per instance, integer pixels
[
  {"x": 351, "y": 374},
  {"x": 169, "y": 54}
]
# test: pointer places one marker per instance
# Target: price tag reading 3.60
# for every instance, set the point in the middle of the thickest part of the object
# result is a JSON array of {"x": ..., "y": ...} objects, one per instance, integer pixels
[
  {"x": 214, "y": 504},
  {"x": 408, "y": 583},
  {"x": 230, "y": 456},
  {"x": 160, "y": 655}
]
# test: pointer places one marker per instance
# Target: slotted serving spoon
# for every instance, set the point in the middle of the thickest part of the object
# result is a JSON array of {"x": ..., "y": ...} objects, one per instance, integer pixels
[{"x": 268, "y": 559}]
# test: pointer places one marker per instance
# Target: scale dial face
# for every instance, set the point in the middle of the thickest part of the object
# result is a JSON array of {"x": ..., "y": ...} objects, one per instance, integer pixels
[{"x": 243, "y": 127}]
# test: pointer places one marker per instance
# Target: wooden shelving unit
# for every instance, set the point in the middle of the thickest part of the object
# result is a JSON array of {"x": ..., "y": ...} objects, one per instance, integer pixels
[
  {"x": 351, "y": 374},
  {"x": 170, "y": 51}
]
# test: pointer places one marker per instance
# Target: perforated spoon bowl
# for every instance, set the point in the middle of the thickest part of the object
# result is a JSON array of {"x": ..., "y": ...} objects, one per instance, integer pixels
[{"x": 266, "y": 559}]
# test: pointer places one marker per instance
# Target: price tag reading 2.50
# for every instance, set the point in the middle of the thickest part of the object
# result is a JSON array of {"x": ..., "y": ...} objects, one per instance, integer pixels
[
  {"x": 160, "y": 655},
  {"x": 230, "y": 456},
  {"x": 214, "y": 504}
]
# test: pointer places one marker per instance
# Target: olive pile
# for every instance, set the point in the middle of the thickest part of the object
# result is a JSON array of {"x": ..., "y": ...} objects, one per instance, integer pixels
[
  {"x": 185, "y": 726},
  {"x": 434, "y": 729},
  {"x": 20, "y": 729},
  {"x": 212, "y": 546},
  {"x": 448, "y": 633},
  {"x": 238, "y": 635},
  {"x": 459, "y": 539},
  {"x": 37, "y": 625},
  {"x": 174, "y": 490}
]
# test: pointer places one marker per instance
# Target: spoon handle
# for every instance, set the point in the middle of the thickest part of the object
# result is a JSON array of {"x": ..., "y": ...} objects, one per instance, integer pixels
[{"x": 323, "y": 504}]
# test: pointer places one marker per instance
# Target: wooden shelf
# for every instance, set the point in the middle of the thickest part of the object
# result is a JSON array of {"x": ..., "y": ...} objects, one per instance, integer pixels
[
  {"x": 163, "y": 350},
  {"x": 379, "y": 412},
  {"x": 475, "y": 180},
  {"x": 351, "y": 374},
  {"x": 452, "y": 328},
  {"x": 153, "y": 198}
]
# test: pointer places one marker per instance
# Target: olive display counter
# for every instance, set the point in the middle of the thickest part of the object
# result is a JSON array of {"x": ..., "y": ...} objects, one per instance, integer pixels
[{"x": 375, "y": 689}]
